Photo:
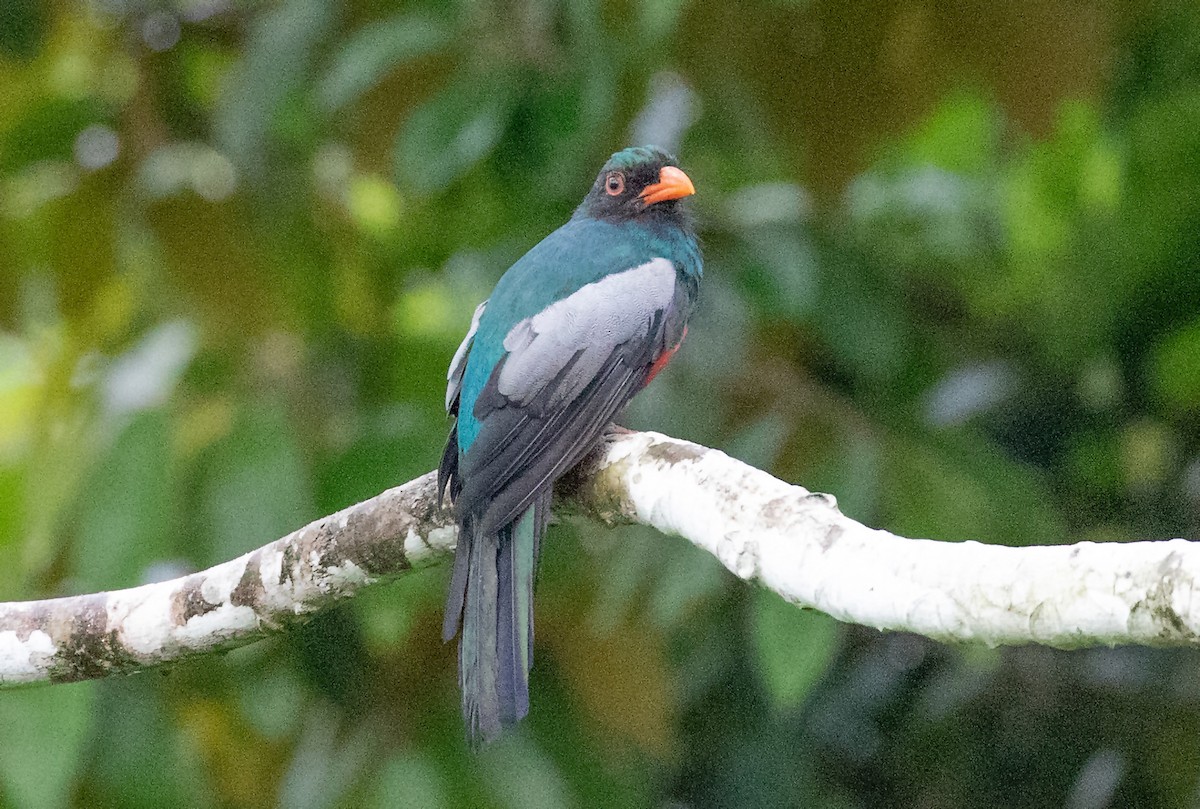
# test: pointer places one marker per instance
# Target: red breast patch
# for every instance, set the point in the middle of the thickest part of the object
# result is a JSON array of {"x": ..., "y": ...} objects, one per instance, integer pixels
[{"x": 664, "y": 358}]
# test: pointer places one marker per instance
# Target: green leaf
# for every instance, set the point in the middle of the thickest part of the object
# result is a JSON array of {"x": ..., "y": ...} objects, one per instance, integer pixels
[
  {"x": 961, "y": 135},
  {"x": 520, "y": 775},
  {"x": 278, "y": 59},
  {"x": 44, "y": 732},
  {"x": 409, "y": 779},
  {"x": 125, "y": 524},
  {"x": 141, "y": 758},
  {"x": 256, "y": 488},
  {"x": 1177, "y": 368},
  {"x": 24, "y": 28},
  {"x": 447, "y": 135},
  {"x": 955, "y": 487},
  {"x": 374, "y": 50},
  {"x": 795, "y": 647}
]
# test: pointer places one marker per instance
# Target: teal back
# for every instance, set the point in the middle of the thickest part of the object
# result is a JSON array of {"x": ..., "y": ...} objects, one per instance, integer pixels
[{"x": 580, "y": 252}]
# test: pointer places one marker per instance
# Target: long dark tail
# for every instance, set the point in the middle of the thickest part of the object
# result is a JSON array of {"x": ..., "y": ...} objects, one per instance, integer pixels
[{"x": 492, "y": 592}]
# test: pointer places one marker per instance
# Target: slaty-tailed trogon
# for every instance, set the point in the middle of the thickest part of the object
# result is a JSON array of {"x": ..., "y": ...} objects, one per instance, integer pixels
[{"x": 570, "y": 334}]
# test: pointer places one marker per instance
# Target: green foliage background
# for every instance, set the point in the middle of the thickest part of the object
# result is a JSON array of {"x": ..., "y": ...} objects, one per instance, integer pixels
[{"x": 953, "y": 277}]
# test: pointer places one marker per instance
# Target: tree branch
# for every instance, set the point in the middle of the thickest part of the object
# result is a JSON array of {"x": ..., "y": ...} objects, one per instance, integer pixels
[{"x": 795, "y": 542}]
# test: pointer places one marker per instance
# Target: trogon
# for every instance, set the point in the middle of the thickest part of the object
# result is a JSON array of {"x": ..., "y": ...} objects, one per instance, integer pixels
[{"x": 572, "y": 331}]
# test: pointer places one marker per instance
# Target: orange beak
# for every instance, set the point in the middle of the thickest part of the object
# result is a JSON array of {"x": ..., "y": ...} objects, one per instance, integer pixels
[{"x": 672, "y": 184}]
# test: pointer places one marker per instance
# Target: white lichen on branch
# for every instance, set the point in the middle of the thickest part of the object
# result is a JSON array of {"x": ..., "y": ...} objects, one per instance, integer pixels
[
  {"x": 236, "y": 602},
  {"x": 792, "y": 541},
  {"x": 801, "y": 546}
]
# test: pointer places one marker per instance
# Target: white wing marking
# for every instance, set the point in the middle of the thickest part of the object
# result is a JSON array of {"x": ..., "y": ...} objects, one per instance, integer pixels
[{"x": 459, "y": 364}]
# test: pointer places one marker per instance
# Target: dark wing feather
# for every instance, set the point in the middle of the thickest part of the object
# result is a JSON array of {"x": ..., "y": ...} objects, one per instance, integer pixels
[
  {"x": 564, "y": 379},
  {"x": 547, "y": 446}
]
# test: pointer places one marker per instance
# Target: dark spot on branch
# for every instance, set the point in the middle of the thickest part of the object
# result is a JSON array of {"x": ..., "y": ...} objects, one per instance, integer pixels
[
  {"x": 821, "y": 498},
  {"x": 327, "y": 543},
  {"x": 249, "y": 591},
  {"x": 287, "y": 563},
  {"x": 373, "y": 541},
  {"x": 189, "y": 601},
  {"x": 1168, "y": 617},
  {"x": 1164, "y": 618},
  {"x": 86, "y": 650},
  {"x": 673, "y": 452},
  {"x": 829, "y": 538},
  {"x": 578, "y": 476},
  {"x": 601, "y": 497},
  {"x": 31, "y": 620},
  {"x": 91, "y": 649}
]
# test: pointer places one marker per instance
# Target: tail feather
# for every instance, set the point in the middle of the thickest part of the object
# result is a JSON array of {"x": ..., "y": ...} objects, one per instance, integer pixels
[
  {"x": 456, "y": 598},
  {"x": 541, "y": 518},
  {"x": 477, "y": 645},
  {"x": 513, "y": 621},
  {"x": 492, "y": 590}
]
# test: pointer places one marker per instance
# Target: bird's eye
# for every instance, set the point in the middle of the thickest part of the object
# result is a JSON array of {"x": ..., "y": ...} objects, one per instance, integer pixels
[{"x": 614, "y": 184}]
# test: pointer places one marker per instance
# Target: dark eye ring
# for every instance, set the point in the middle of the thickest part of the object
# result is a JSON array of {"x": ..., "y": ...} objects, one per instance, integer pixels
[{"x": 614, "y": 184}]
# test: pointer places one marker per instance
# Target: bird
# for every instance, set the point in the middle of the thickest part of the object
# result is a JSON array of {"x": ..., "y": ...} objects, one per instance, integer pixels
[{"x": 572, "y": 331}]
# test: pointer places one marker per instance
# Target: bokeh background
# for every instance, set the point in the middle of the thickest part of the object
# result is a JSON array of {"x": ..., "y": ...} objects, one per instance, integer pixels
[{"x": 952, "y": 277}]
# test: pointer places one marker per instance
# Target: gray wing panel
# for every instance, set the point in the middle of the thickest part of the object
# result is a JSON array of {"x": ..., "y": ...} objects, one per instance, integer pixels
[
  {"x": 567, "y": 373},
  {"x": 579, "y": 333}
]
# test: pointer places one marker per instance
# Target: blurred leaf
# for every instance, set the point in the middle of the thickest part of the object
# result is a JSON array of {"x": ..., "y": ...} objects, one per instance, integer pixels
[
  {"x": 860, "y": 321},
  {"x": 332, "y": 655},
  {"x": 239, "y": 763},
  {"x": 659, "y": 18},
  {"x": 1163, "y": 180},
  {"x": 278, "y": 57},
  {"x": 127, "y": 508},
  {"x": 633, "y": 555},
  {"x": 1176, "y": 372},
  {"x": 270, "y": 701},
  {"x": 204, "y": 247},
  {"x": 255, "y": 487},
  {"x": 22, "y": 27},
  {"x": 44, "y": 732},
  {"x": 375, "y": 49},
  {"x": 374, "y": 204},
  {"x": 794, "y": 647},
  {"x": 781, "y": 269},
  {"x": 922, "y": 219},
  {"x": 145, "y": 376},
  {"x": 615, "y": 664},
  {"x": 1095, "y": 461},
  {"x": 13, "y": 506},
  {"x": 853, "y": 473},
  {"x": 758, "y": 443},
  {"x": 328, "y": 760},
  {"x": 955, "y": 489},
  {"x": 46, "y": 132},
  {"x": 961, "y": 135},
  {"x": 620, "y": 679},
  {"x": 1148, "y": 454},
  {"x": 138, "y": 759},
  {"x": 521, "y": 777},
  {"x": 408, "y": 779},
  {"x": 447, "y": 135},
  {"x": 687, "y": 578},
  {"x": 18, "y": 394}
]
